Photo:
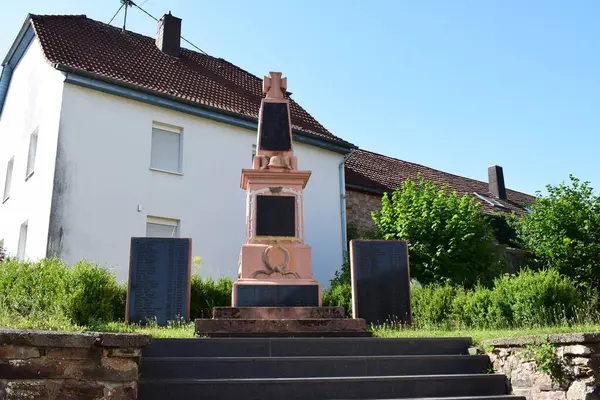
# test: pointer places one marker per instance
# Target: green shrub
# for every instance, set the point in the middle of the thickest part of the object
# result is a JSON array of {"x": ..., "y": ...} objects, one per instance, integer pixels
[
  {"x": 432, "y": 305},
  {"x": 529, "y": 299},
  {"x": 51, "y": 290},
  {"x": 339, "y": 293},
  {"x": 208, "y": 293},
  {"x": 95, "y": 295}
]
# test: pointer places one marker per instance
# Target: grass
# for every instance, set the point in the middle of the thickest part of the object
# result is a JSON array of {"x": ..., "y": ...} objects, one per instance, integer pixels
[{"x": 478, "y": 335}]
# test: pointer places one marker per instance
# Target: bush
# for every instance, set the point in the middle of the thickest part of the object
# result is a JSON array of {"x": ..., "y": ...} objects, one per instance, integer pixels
[
  {"x": 530, "y": 299},
  {"x": 449, "y": 239},
  {"x": 95, "y": 295},
  {"x": 208, "y": 293},
  {"x": 339, "y": 293},
  {"x": 563, "y": 231},
  {"x": 50, "y": 289}
]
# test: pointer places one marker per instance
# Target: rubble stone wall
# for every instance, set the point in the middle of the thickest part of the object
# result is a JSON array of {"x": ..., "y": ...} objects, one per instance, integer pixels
[
  {"x": 65, "y": 365},
  {"x": 560, "y": 366},
  {"x": 359, "y": 206}
]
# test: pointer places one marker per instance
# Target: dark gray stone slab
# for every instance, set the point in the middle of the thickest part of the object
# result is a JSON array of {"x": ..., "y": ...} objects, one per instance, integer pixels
[
  {"x": 275, "y": 127},
  {"x": 159, "y": 280},
  {"x": 275, "y": 216},
  {"x": 380, "y": 281},
  {"x": 277, "y": 295}
]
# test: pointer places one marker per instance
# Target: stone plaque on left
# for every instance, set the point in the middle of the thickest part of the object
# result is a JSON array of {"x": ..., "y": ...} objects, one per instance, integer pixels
[{"x": 159, "y": 280}]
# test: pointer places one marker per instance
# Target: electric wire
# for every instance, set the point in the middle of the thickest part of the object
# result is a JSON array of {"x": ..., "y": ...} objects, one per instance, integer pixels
[
  {"x": 113, "y": 17},
  {"x": 156, "y": 19}
]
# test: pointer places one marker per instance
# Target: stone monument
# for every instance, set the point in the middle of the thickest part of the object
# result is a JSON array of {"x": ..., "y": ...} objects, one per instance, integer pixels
[
  {"x": 275, "y": 263},
  {"x": 275, "y": 294}
]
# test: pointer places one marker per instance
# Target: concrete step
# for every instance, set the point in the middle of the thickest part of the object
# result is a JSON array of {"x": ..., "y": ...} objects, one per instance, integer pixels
[
  {"x": 307, "y": 367},
  {"x": 278, "y": 312},
  {"x": 300, "y": 347},
  {"x": 500, "y": 397},
  {"x": 388, "y": 387},
  {"x": 266, "y": 326}
]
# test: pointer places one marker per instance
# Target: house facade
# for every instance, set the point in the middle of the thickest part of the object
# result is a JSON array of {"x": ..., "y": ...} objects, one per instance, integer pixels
[{"x": 107, "y": 134}]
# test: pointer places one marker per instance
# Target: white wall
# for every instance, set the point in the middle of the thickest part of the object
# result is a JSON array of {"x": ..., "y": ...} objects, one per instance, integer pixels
[
  {"x": 33, "y": 101},
  {"x": 105, "y": 148}
]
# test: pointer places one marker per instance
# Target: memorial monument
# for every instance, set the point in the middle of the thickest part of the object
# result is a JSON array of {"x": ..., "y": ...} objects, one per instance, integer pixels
[
  {"x": 159, "y": 285},
  {"x": 380, "y": 277},
  {"x": 275, "y": 292}
]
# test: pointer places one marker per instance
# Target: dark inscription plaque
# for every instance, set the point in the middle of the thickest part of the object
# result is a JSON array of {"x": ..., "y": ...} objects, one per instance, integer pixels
[
  {"x": 159, "y": 280},
  {"x": 380, "y": 281},
  {"x": 277, "y": 295},
  {"x": 275, "y": 215},
  {"x": 275, "y": 127}
]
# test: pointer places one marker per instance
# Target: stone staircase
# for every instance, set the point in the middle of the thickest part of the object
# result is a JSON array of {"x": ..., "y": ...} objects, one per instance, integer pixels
[{"x": 317, "y": 368}]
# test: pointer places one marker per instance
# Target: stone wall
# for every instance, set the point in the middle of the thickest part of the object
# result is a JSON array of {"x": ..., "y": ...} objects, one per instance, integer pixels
[
  {"x": 561, "y": 366},
  {"x": 359, "y": 206},
  {"x": 64, "y": 365}
]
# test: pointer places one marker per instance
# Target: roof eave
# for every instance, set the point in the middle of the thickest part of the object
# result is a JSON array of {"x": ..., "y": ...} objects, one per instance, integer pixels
[{"x": 135, "y": 92}]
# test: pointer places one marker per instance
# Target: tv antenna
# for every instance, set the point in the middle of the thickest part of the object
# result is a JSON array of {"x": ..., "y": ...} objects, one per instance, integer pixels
[{"x": 126, "y": 4}]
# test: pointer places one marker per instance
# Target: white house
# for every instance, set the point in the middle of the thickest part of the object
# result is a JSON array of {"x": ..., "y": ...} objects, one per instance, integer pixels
[{"x": 107, "y": 135}]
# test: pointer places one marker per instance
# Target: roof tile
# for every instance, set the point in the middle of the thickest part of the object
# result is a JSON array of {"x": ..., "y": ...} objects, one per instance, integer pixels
[{"x": 376, "y": 172}]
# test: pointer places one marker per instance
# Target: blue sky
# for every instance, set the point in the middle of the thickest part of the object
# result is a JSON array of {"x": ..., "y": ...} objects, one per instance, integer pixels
[{"x": 454, "y": 85}]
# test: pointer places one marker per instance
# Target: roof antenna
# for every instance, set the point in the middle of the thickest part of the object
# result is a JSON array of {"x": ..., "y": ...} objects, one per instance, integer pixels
[{"x": 126, "y": 3}]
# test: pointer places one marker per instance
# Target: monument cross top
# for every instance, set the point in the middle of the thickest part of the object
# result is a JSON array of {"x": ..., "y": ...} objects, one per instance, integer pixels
[{"x": 274, "y": 86}]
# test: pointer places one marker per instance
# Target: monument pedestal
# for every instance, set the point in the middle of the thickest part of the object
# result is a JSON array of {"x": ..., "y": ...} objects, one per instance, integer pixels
[{"x": 281, "y": 322}]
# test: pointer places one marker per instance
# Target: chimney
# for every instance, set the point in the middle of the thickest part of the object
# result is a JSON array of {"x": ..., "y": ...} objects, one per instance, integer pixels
[
  {"x": 496, "y": 182},
  {"x": 168, "y": 35}
]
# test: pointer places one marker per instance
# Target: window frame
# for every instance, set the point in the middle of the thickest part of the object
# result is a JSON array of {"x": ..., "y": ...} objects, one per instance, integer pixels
[
  {"x": 173, "y": 222},
  {"x": 22, "y": 244},
  {"x": 10, "y": 166},
  {"x": 30, "y": 167},
  {"x": 172, "y": 129}
]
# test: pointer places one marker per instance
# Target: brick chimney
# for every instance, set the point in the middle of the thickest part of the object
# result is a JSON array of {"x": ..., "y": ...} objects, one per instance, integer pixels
[
  {"x": 496, "y": 182},
  {"x": 168, "y": 35}
]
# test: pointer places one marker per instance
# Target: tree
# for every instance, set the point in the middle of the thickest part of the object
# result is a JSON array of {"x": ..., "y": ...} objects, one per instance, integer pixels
[
  {"x": 448, "y": 238},
  {"x": 563, "y": 231}
]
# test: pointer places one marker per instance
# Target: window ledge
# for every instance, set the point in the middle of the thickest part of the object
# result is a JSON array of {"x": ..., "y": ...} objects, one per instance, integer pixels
[
  {"x": 166, "y": 172},
  {"x": 5, "y": 200},
  {"x": 29, "y": 175}
]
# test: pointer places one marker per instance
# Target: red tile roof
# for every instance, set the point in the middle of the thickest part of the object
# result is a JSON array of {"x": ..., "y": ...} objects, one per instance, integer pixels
[
  {"x": 371, "y": 171},
  {"x": 78, "y": 42}
]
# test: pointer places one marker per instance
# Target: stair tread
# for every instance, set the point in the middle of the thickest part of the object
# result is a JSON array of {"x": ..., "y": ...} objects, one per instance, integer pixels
[
  {"x": 315, "y": 358},
  {"x": 154, "y": 381}
]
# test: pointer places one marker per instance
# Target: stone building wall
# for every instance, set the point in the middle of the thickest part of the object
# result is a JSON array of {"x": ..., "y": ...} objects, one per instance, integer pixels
[
  {"x": 64, "y": 365},
  {"x": 359, "y": 206},
  {"x": 573, "y": 362}
]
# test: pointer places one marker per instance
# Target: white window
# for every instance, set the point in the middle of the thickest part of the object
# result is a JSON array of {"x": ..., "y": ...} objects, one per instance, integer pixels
[
  {"x": 31, "y": 157},
  {"x": 7, "y": 182},
  {"x": 162, "y": 227},
  {"x": 22, "y": 241},
  {"x": 166, "y": 153},
  {"x": 253, "y": 152},
  {"x": 1, "y": 244}
]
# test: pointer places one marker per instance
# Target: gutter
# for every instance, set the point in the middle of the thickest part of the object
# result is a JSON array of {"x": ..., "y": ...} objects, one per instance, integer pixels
[
  {"x": 18, "y": 48},
  {"x": 342, "y": 180}
]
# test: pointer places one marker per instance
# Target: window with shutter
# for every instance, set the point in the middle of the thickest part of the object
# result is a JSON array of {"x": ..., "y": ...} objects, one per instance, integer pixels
[
  {"x": 31, "y": 156},
  {"x": 166, "y": 148},
  {"x": 7, "y": 182},
  {"x": 162, "y": 227}
]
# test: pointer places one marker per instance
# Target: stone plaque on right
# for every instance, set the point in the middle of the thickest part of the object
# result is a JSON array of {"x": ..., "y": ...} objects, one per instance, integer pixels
[{"x": 380, "y": 281}]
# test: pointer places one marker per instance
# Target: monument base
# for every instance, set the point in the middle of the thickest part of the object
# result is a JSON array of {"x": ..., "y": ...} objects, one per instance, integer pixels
[
  {"x": 276, "y": 293},
  {"x": 281, "y": 322}
]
